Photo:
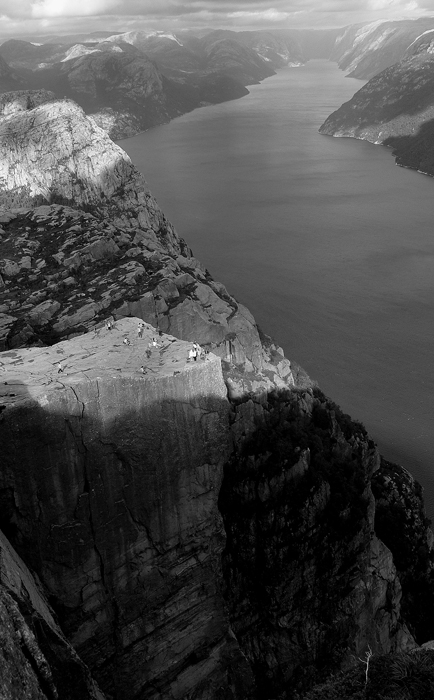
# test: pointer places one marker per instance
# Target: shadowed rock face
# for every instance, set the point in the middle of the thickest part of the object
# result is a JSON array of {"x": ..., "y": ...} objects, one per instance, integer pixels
[
  {"x": 113, "y": 480},
  {"x": 111, "y": 489},
  {"x": 36, "y": 660},
  {"x": 308, "y": 583}
]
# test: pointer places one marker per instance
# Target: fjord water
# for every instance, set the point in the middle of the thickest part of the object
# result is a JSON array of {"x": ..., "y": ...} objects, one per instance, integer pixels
[{"x": 328, "y": 243}]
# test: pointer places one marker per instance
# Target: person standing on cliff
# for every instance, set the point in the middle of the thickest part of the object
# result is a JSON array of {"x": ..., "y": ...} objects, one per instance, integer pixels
[{"x": 140, "y": 328}]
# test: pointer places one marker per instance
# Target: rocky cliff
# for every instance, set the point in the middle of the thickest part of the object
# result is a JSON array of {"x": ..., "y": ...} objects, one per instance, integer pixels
[
  {"x": 115, "y": 504},
  {"x": 64, "y": 270},
  {"x": 36, "y": 660},
  {"x": 395, "y": 108},
  {"x": 202, "y": 529}
]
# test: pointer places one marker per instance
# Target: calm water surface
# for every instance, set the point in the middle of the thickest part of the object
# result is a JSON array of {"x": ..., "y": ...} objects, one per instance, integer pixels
[{"x": 328, "y": 243}]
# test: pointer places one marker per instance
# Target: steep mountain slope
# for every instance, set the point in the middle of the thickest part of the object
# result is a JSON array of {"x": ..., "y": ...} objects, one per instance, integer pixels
[
  {"x": 395, "y": 108},
  {"x": 367, "y": 49},
  {"x": 203, "y": 529},
  {"x": 126, "y": 251},
  {"x": 9, "y": 79}
]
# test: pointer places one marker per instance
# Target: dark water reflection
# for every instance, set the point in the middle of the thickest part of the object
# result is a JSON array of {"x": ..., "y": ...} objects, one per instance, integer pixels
[{"x": 327, "y": 242}]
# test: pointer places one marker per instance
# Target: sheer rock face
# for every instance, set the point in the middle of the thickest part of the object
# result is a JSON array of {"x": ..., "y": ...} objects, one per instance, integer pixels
[
  {"x": 110, "y": 486},
  {"x": 113, "y": 486},
  {"x": 36, "y": 660},
  {"x": 308, "y": 583}
]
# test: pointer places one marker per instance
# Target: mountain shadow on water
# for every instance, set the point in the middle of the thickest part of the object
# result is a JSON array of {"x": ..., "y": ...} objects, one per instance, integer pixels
[{"x": 415, "y": 151}]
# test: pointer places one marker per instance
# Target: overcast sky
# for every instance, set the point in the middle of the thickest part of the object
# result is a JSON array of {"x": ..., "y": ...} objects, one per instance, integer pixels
[{"x": 21, "y": 17}]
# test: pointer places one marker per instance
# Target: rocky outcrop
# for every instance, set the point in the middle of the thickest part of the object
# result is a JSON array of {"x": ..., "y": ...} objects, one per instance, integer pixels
[
  {"x": 36, "y": 660},
  {"x": 109, "y": 487},
  {"x": 65, "y": 270},
  {"x": 115, "y": 471},
  {"x": 54, "y": 153}
]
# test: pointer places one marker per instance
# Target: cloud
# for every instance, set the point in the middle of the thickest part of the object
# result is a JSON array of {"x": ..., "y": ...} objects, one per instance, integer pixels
[
  {"x": 70, "y": 16},
  {"x": 43, "y": 9}
]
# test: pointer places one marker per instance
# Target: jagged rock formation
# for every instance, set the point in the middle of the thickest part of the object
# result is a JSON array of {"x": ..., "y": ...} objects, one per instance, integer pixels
[
  {"x": 36, "y": 660},
  {"x": 64, "y": 270},
  {"x": 395, "y": 108}
]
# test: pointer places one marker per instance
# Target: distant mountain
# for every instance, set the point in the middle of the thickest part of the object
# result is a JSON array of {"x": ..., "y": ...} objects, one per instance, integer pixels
[
  {"x": 9, "y": 79},
  {"x": 367, "y": 49},
  {"x": 135, "y": 80},
  {"x": 23, "y": 54},
  {"x": 395, "y": 108},
  {"x": 247, "y": 57},
  {"x": 114, "y": 81}
]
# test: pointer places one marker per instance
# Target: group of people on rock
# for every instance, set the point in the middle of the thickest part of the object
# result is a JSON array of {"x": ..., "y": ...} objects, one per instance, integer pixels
[{"x": 196, "y": 353}]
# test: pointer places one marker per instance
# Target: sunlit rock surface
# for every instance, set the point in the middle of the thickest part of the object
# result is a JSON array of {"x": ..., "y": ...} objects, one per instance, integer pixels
[{"x": 66, "y": 268}]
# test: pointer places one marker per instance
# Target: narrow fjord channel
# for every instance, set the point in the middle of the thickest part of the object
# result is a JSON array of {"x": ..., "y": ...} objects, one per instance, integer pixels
[{"x": 327, "y": 242}]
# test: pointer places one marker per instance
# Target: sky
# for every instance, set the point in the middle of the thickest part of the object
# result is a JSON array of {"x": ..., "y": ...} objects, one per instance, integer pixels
[{"x": 21, "y": 18}]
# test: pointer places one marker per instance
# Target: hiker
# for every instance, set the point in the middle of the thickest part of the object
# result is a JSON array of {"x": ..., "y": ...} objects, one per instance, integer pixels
[
  {"x": 143, "y": 369},
  {"x": 59, "y": 368},
  {"x": 126, "y": 341},
  {"x": 140, "y": 329},
  {"x": 148, "y": 353},
  {"x": 197, "y": 351},
  {"x": 109, "y": 325},
  {"x": 191, "y": 354},
  {"x": 154, "y": 343}
]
